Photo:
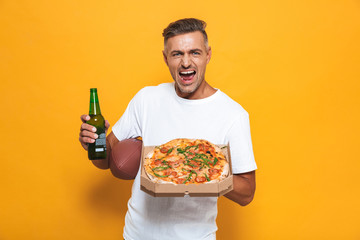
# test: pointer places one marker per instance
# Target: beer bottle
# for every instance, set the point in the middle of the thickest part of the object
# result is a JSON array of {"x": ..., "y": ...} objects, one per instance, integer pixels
[{"x": 96, "y": 150}]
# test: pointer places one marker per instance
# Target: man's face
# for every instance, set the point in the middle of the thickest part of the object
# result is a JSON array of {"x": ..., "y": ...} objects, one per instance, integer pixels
[{"x": 186, "y": 56}]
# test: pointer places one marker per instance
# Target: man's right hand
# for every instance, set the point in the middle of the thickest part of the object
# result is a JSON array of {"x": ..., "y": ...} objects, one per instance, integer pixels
[{"x": 88, "y": 132}]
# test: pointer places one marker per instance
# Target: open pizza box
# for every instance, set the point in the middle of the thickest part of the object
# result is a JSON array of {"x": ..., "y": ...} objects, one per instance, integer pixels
[{"x": 214, "y": 189}]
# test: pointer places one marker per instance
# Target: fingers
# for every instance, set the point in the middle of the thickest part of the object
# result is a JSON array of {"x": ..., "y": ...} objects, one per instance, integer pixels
[
  {"x": 85, "y": 118},
  {"x": 87, "y": 132},
  {"x": 87, "y": 127},
  {"x": 86, "y": 137},
  {"x": 89, "y": 137}
]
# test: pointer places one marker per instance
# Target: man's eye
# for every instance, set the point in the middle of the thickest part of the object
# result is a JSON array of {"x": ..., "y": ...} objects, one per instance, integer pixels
[
  {"x": 196, "y": 53},
  {"x": 176, "y": 54}
]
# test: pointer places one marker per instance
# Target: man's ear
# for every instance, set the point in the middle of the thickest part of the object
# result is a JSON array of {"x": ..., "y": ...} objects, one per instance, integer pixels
[
  {"x": 165, "y": 57},
  {"x": 208, "y": 55}
]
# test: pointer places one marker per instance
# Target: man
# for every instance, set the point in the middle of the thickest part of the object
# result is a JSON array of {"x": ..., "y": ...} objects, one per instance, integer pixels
[{"x": 187, "y": 108}]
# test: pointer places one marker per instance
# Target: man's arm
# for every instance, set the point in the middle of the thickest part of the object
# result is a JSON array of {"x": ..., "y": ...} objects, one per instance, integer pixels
[{"x": 244, "y": 188}]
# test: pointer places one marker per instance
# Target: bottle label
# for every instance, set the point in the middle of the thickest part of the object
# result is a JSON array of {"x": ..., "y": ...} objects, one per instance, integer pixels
[
  {"x": 101, "y": 141},
  {"x": 99, "y": 149}
]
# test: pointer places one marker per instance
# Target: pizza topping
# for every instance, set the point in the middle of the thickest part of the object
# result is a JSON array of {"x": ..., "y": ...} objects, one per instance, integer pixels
[
  {"x": 213, "y": 173},
  {"x": 194, "y": 164},
  {"x": 200, "y": 179},
  {"x": 157, "y": 162},
  {"x": 161, "y": 176},
  {"x": 207, "y": 178},
  {"x": 164, "y": 150},
  {"x": 160, "y": 168},
  {"x": 215, "y": 161},
  {"x": 190, "y": 176},
  {"x": 179, "y": 180},
  {"x": 167, "y": 172},
  {"x": 184, "y": 161}
]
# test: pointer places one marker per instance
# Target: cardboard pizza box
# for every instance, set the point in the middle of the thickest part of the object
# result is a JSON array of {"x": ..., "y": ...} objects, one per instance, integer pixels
[{"x": 180, "y": 190}]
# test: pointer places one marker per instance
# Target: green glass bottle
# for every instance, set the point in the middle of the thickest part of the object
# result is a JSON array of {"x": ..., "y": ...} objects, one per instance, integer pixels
[{"x": 96, "y": 150}]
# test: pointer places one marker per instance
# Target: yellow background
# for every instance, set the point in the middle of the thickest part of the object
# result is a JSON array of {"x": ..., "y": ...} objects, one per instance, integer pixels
[{"x": 293, "y": 65}]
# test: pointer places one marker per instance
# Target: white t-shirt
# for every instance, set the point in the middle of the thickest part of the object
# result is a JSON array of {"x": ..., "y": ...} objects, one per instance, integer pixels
[{"x": 158, "y": 115}]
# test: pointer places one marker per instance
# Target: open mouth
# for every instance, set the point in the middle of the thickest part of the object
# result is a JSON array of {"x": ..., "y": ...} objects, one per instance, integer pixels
[{"x": 187, "y": 75}]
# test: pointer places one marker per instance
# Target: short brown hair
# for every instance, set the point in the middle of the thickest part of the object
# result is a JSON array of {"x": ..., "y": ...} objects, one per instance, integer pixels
[{"x": 186, "y": 25}]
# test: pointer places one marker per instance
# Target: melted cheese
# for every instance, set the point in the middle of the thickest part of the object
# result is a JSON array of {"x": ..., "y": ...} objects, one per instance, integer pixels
[{"x": 174, "y": 162}]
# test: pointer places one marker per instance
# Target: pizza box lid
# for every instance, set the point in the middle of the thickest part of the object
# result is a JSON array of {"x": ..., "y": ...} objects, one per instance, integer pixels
[{"x": 180, "y": 190}]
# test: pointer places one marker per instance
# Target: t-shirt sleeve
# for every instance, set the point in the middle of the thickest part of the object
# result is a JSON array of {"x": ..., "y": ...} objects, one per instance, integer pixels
[
  {"x": 239, "y": 137},
  {"x": 129, "y": 125}
]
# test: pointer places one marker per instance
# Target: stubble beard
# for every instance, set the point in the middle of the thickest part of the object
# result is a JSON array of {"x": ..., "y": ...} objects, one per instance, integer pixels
[{"x": 189, "y": 89}]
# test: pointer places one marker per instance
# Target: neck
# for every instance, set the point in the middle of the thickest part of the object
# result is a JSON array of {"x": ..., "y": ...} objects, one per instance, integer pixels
[{"x": 203, "y": 91}]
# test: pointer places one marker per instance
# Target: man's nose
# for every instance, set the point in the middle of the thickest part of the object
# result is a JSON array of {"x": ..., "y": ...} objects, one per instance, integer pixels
[{"x": 186, "y": 61}]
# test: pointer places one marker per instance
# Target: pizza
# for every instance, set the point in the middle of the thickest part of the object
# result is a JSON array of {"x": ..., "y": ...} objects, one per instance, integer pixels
[{"x": 186, "y": 161}]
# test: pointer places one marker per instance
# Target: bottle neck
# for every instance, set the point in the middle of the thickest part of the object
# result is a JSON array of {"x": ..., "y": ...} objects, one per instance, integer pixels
[{"x": 94, "y": 103}]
